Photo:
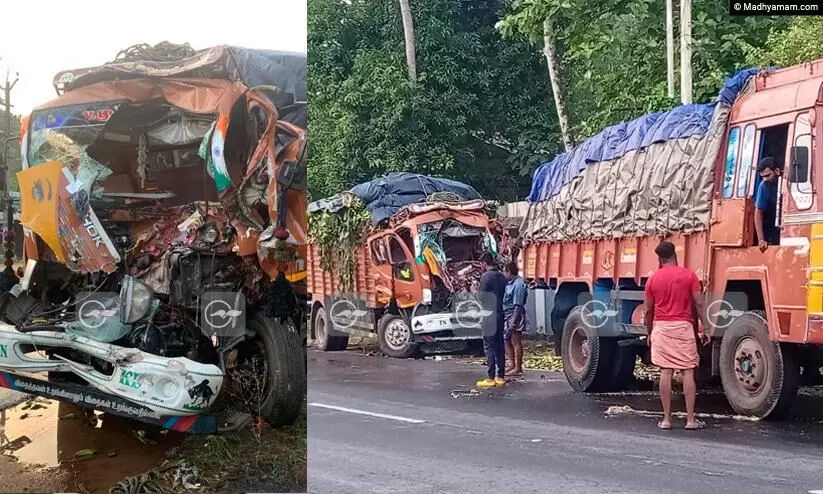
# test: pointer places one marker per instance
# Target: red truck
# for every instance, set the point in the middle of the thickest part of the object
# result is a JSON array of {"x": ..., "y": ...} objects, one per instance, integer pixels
[{"x": 689, "y": 176}]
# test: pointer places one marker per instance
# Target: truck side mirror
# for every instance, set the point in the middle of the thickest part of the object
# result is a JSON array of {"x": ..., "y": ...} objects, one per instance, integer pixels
[{"x": 800, "y": 164}]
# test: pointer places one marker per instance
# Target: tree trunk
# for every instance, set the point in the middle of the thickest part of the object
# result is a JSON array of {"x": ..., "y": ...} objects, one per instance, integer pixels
[
  {"x": 408, "y": 31},
  {"x": 557, "y": 86}
]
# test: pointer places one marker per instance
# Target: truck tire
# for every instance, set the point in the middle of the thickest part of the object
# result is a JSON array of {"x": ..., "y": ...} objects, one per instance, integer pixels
[
  {"x": 760, "y": 377},
  {"x": 286, "y": 386},
  {"x": 395, "y": 337},
  {"x": 588, "y": 360},
  {"x": 322, "y": 340}
]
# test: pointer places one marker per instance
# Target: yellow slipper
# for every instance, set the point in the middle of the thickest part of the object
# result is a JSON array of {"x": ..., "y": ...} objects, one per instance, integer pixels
[
  {"x": 486, "y": 383},
  {"x": 499, "y": 381}
]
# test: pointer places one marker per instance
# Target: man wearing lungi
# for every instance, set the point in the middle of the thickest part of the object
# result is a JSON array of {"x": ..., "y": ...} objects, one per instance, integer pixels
[{"x": 673, "y": 297}]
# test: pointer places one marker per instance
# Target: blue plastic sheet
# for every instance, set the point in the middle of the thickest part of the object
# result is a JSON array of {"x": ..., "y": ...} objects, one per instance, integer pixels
[
  {"x": 385, "y": 196},
  {"x": 286, "y": 70},
  {"x": 615, "y": 141}
]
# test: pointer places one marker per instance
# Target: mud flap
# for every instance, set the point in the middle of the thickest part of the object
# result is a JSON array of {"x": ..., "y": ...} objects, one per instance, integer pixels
[{"x": 91, "y": 399}]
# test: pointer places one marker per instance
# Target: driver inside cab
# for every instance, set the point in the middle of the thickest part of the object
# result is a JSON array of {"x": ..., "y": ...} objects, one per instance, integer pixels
[{"x": 765, "y": 202}]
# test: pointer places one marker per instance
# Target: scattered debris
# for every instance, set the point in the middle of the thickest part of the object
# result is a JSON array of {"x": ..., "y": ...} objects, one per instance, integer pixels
[
  {"x": 627, "y": 410},
  {"x": 458, "y": 393},
  {"x": 84, "y": 453},
  {"x": 537, "y": 440},
  {"x": 179, "y": 473},
  {"x": 141, "y": 436},
  {"x": 68, "y": 416}
]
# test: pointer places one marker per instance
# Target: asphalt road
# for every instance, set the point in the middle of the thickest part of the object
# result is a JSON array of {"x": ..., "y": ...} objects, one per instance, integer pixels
[{"x": 395, "y": 426}]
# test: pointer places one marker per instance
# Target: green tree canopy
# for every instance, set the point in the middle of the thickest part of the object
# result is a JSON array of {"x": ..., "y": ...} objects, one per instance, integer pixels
[{"x": 482, "y": 110}]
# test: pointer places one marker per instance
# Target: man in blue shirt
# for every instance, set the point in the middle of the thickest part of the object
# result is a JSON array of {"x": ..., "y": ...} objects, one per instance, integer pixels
[
  {"x": 514, "y": 313},
  {"x": 494, "y": 283},
  {"x": 765, "y": 202}
]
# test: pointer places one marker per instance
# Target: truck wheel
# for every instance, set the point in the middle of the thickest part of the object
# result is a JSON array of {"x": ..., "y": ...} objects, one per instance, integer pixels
[
  {"x": 395, "y": 337},
  {"x": 760, "y": 377},
  {"x": 284, "y": 384},
  {"x": 587, "y": 359},
  {"x": 322, "y": 340}
]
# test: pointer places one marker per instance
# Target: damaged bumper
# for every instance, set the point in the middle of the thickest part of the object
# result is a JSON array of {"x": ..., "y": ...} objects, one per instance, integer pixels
[
  {"x": 431, "y": 328},
  {"x": 165, "y": 391}
]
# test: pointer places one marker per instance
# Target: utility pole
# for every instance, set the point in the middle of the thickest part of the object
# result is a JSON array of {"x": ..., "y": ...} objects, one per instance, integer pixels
[
  {"x": 686, "y": 51},
  {"x": 5, "y": 198},
  {"x": 7, "y": 100},
  {"x": 670, "y": 46}
]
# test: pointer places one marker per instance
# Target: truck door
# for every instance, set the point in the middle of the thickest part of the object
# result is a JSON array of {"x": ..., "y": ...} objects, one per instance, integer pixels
[
  {"x": 731, "y": 208},
  {"x": 395, "y": 269}
]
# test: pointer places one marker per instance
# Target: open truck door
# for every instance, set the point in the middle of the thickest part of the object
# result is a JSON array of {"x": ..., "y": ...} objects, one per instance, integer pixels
[{"x": 396, "y": 274}]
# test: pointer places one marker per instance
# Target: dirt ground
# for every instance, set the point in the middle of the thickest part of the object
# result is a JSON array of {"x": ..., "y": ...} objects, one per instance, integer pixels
[{"x": 47, "y": 446}]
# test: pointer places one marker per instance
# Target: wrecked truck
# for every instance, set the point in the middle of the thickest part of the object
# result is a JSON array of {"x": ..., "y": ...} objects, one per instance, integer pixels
[
  {"x": 164, "y": 211},
  {"x": 396, "y": 257}
]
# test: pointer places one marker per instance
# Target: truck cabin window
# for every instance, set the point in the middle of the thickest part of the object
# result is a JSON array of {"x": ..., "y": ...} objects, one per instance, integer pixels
[
  {"x": 379, "y": 253},
  {"x": 800, "y": 160},
  {"x": 800, "y": 169},
  {"x": 401, "y": 265}
]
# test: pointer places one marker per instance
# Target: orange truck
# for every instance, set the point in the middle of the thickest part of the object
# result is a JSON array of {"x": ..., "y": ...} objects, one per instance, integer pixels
[
  {"x": 410, "y": 274},
  {"x": 689, "y": 176}
]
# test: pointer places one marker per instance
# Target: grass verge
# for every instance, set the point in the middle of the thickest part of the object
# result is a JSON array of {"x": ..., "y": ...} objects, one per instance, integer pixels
[{"x": 263, "y": 460}]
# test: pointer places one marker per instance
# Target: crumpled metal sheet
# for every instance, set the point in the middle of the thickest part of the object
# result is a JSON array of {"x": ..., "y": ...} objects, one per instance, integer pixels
[{"x": 48, "y": 209}]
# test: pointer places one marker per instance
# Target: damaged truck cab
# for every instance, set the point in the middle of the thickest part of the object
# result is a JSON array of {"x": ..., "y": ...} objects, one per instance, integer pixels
[
  {"x": 164, "y": 212},
  {"x": 409, "y": 278}
]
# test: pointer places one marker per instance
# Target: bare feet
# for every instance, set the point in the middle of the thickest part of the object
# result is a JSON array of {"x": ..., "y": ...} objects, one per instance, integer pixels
[{"x": 514, "y": 372}]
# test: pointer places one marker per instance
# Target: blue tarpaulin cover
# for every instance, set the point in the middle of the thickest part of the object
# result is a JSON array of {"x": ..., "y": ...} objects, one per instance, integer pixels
[
  {"x": 384, "y": 196},
  {"x": 617, "y": 140},
  {"x": 286, "y": 70}
]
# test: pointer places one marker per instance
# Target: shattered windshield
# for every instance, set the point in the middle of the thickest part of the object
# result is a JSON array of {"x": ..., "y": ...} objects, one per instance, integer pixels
[
  {"x": 64, "y": 133},
  {"x": 452, "y": 241}
]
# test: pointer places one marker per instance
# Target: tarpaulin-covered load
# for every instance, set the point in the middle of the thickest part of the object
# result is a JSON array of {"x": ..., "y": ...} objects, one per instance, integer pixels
[
  {"x": 386, "y": 195},
  {"x": 251, "y": 67},
  {"x": 653, "y": 175}
]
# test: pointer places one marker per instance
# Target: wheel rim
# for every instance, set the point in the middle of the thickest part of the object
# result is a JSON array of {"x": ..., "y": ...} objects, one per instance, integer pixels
[
  {"x": 397, "y": 334},
  {"x": 579, "y": 350},
  {"x": 750, "y": 367}
]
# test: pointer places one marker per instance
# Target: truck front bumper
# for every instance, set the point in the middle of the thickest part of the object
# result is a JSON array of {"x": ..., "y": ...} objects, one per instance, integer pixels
[{"x": 431, "y": 328}]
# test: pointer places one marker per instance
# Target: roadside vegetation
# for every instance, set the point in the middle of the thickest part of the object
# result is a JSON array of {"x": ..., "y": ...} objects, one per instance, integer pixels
[{"x": 472, "y": 98}]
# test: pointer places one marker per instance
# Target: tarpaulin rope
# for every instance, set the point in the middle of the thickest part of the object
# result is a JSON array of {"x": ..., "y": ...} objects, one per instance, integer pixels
[{"x": 161, "y": 52}]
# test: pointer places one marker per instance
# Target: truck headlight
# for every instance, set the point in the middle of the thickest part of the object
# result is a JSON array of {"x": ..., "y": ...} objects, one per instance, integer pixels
[{"x": 427, "y": 296}]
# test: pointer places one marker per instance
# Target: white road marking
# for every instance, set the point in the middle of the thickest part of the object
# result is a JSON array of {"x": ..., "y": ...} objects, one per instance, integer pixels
[
  {"x": 819, "y": 491},
  {"x": 370, "y": 414}
]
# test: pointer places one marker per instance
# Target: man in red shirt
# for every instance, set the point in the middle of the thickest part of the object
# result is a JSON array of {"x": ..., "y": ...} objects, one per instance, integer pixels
[{"x": 673, "y": 298}]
